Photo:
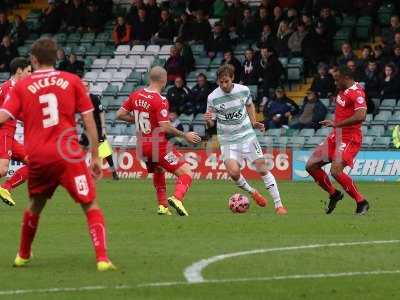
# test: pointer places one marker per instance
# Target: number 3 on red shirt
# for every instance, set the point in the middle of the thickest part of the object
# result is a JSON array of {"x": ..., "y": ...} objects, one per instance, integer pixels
[{"x": 50, "y": 111}]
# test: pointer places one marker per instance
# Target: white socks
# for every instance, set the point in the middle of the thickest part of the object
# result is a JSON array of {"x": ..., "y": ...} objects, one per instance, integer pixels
[
  {"x": 242, "y": 183},
  {"x": 272, "y": 187}
]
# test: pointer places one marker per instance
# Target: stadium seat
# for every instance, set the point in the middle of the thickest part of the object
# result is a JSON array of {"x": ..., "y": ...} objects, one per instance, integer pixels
[
  {"x": 23, "y": 50},
  {"x": 93, "y": 51},
  {"x": 267, "y": 141},
  {"x": 297, "y": 141},
  {"x": 324, "y": 132},
  {"x": 73, "y": 38},
  {"x": 377, "y": 130},
  {"x": 110, "y": 116},
  {"x": 105, "y": 100},
  {"x": 313, "y": 141},
  {"x": 307, "y": 132},
  {"x": 98, "y": 88},
  {"x": 325, "y": 101},
  {"x": 137, "y": 50},
  {"x": 165, "y": 50},
  {"x": 367, "y": 141},
  {"x": 144, "y": 63},
  {"x": 364, "y": 129},
  {"x": 111, "y": 90},
  {"x": 122, "y": 50},
  {"x": 275, "y": 132},
  {"x": 134, "y": 77},
  {"x": 387, "y": 104},
  {"x": 382, "y": 142},
  {"x": 114, "y": 63},
  {"x": 394, "y": 119},
  {"x": 240, "y": 49},
  {"x": 381, "y": 118},
  {"x": 90, "y": 76},
  {"x": 120, "y": 140},
  {"x": 104, "y": 77},
  {"x": 103, "y": 37},
  {"x": 198, "y": 49},
  {"x": 284, "y": 61},
  {"x": 152, "y": 50},
  {"x": 282, "y": 141},
  {"x": 99, "y": 63},
  {"x": 203, "y": 62},
  {"x": 88, "y": 38},
  {"x": 127, "y": 89}
]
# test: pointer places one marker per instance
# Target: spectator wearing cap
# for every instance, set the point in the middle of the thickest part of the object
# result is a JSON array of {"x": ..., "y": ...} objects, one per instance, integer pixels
[
  {"x": 218, "y": 42},
  {"x": 282, "y": 38},
  {"x": 230, "y": 59},
  {"x": 249, "y": 74},
  {"x": 174, "y": 65},
  {"x": 51, "y": 18},
  {"x": 371, "y": 78},
  {"x": 201, "y": 28},
  {"x": 94, "y": 19},
  {"x": 142, "y": 31},
  {"x": 75, "y": 66},
  {"x": 8, "y": 51},
  {"x": 390, "y": 85},
  {"x": 279, "y": 110},
  {"x": 269, "y": 69},
  {"x": 295, "y": 41},
  {"x": 19, "y": 31},
  {"x": 179, "y": 97},
  {"x": 200, "y": 93},
  {"x": 5, "y": 25},
  {"x": 166, "y": 29},
  {"x": 122, "y": 33},
  {"x": 247, "y": 27},
  {"x": 312, "y": 111},
  {"x": 323, "y": 83}
]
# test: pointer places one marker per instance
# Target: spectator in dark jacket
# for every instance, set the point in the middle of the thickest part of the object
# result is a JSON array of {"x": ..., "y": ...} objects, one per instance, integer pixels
[
  {"x": 200, "y": 93},
  {"x": 5, "y": 25},
  {"x": 269, "y": 70},
  {"x": 282, "y": 39},
  {"x": 366, "y": 56},
  {"x": 75, "y": 66},
  {"x": 133, "y": 11},
  {"x": 311, "y": 112},
  {"x": 186, "y": 52},
  {"x": 185, "y": 28},
  {"x": 323, "y": 84},
  {"x": 279, "y": 110},
  {"x": 62, "y": 61},
  {"x": 388, "y": 33},
  {"x": 347, "y": 54},
  {"x": 19, "y": 31},
  {"x": 175, "y": 65},
  {"x": 249, "y": 69},
  {"x": 317, "y": 47},
  {"x": 395, "y": 58},
  {"x": 201, "y": 28},
  {"x": 218, "y": 42},
  {"x": 247, "y": 26},
  {"x": 142, "y": 31},
  {"x": 51, "y": 18},
  {"x": 166, "y": 29},
  {"x": 93, "y": 20},
  {"x": 230, "y": 59},
  {"x": 390, "y": 84},
  {"x": 122, "y": 33},
  {"x": 235, "y": 13},
  {"x": 76, "y": 14},
  {"x": 179, "y": 98},
  {"x": 262, "y": 19},
  {"x": 8, "y": 51},
  {"x": 267, "y": 37},
  {"x": 371, "y": 79},
  {"x": 154, "y": 14},
  {"x": 277, "y": 17},
  {"x": 328, "y": 20}
]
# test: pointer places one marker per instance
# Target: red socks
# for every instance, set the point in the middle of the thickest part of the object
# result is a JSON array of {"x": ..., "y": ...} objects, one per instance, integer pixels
[
  {"x": 161, "y": 188},
  {"x": 17, "y": 179},
  {"x": 323, "y": 180},
  {"x": 347, "y": 183},
  {"x": 182, "y": 185},
  {"x": 97, "y": 230},
  {"x": 29, "y": 225}
]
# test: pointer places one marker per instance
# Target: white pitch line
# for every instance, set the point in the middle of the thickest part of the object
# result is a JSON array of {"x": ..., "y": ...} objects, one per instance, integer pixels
[
  {"x": 193, "y": 273},
  {"x": 208, "y": 281}
]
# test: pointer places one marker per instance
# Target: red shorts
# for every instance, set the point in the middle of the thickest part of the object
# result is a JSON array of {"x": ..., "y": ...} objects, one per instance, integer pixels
[
  {"x": 166, "y": 157},
  {"x": 74, "y": 177},
  {"x": 344, "y": 150},
  {"x": 10, "y": 148}
]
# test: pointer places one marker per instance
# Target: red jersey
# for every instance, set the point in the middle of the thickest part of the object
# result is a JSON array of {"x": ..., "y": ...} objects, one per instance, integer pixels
[
  {"x": 8, "y": 128},
  {"x": 149, "y": 109},
  {"x": 47, "y": 102},
  {"x": 347, "y": 102}
]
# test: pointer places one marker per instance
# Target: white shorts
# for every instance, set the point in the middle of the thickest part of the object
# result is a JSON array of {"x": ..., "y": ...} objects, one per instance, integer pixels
[{"x": 249, "y": 150}]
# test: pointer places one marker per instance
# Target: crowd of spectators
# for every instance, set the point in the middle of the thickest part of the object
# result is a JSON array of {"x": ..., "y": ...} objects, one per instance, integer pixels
[{"x": 276, "y": 28}]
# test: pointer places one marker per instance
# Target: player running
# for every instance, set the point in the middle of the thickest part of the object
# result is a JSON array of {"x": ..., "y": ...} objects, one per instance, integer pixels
[
  {"x": 10, "y": 148},
  {"x": 231, "y": 107},
  {"x": 149, "y": 111},
  {"x": 47, "y": 102},
  {"x": 342, "y": 145}
]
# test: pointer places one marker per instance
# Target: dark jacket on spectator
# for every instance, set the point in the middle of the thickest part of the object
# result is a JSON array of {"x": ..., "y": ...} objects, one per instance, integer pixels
[
  {"x": 175, "y": 67},
  {"x": 323, "y": 86},
  {"x": 372, "y": 83},
  {"x": 142, "y": 30},
  {"x": 4, "y": 29},
  {"x": 51, "y": 20},
  {"x": 390, "y": 89},
  {"x": 199, "y": 97},
  {"x": 166, "y": 29},
  {"x": 179, "y": 100},
  {"x": 218, "y": 43},
  {"x": 7, "y": 54},
  {"x": 78, "y": 67},
  {"x": 317, "y": 47},
  {"x": 19, "y": 33},
  {"x": 76, "y": 16},
  {"x": 201, "y": 31},
  {"x": 249, "y": 74},
  {"x": 247, "y": 29},
  {"x": 153, "y": 13},
  {"x": 270, "y": 72},
  {"x": 280, "y": 107},
  {"x": 318, "y": 114}
]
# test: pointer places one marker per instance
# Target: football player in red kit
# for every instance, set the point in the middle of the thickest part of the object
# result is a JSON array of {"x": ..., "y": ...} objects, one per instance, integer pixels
[
  {"x": 9, "y": 147},
  {"x": 149, "y": 111},
  {"x": 47, "y": 102},
  {"x": 342, "y": 145}
]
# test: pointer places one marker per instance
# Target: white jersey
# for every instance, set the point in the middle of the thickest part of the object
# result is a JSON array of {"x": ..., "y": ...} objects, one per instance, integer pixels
[{"x": 229, "y": 110}]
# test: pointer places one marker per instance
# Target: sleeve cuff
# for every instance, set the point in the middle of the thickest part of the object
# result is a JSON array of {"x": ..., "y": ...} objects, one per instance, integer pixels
[
  {"x": 87, "y": 111},
  {"x": 8, "y": 113}
]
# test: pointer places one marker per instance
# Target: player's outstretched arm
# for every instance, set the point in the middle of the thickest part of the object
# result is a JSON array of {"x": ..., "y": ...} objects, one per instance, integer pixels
[
  {"x": 91, "y": 132},
  {"x": 191, "y": 137},
  {"x": 251, "y": 111},
  {"x": 125, "y": 115},
  {"x": 358, "y": 117},
  {"x": 4, "y": 116}
]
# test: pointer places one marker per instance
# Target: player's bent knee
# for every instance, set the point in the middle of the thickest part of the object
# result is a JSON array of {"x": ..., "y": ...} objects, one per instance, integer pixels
[
  {"x": 336, "y": 169},
  {"x": 184, "y": 170}
]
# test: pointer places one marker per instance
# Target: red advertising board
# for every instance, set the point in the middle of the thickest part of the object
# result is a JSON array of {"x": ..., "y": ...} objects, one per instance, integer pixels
[{"x": 204, "y": 164}]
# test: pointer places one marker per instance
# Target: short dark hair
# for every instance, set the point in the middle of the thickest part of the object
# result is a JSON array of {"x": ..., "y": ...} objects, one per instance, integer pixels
[
  {"x": 45, "y": 51},
  {"x": 346, "y": 71},
  {"x": 226, "y": 70},
  {"x": 18, "y": 63}
]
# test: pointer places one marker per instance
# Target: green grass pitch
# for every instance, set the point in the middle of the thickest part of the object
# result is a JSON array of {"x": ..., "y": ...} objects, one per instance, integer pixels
[{"x": 148, "y": 248}]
